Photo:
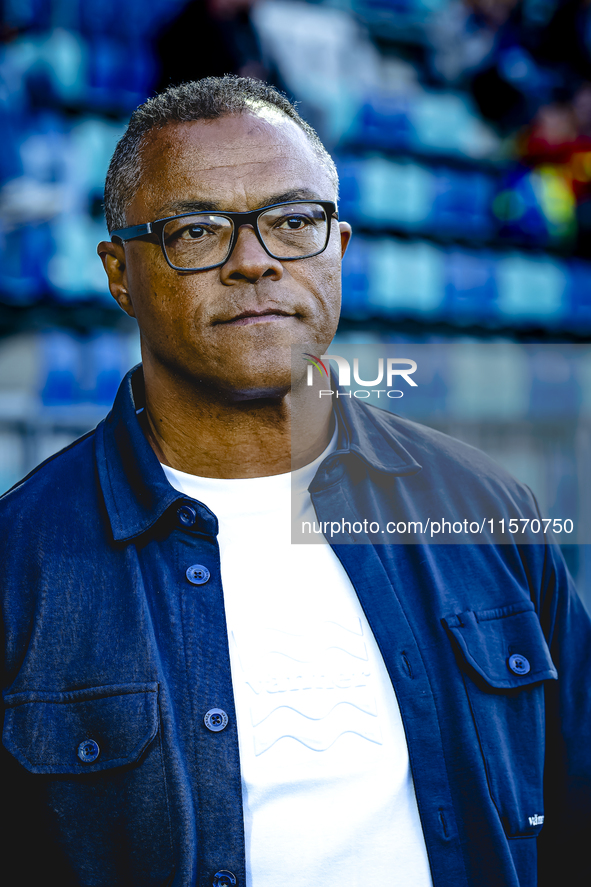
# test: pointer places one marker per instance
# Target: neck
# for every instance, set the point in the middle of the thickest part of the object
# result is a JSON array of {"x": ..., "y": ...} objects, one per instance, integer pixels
[{"x": 212, "y": 433}]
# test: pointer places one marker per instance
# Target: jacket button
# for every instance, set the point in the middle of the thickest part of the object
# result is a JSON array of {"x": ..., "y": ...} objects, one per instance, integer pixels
[
  {"x": 518, "y": 664},
  {"x": 88, "y": 751},
  {"x": 224, "y": 879},
  {"x": 197, "y": 574},
  {"x": 186, "y": 515},
  {"x": 215, "y": 720}
]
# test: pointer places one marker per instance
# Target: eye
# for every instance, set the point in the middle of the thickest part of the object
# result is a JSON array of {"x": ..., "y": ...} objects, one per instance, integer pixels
[
  {"x": 294, "y": 223},
  {"x": 196, "y": 233},
  {"x": 192, "y": 232}
]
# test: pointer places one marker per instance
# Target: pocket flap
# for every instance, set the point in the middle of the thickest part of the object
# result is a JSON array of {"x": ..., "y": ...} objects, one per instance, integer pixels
[
  {"x": 81, "y": 731},
  {"x": 506, "y": 645}
]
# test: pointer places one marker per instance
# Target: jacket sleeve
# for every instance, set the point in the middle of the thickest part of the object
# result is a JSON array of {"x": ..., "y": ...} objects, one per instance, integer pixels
[{"x": 564, "y": 850}]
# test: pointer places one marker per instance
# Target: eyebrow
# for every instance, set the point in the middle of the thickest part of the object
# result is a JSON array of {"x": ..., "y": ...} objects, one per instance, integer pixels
[{"x": 197, "y": 206}]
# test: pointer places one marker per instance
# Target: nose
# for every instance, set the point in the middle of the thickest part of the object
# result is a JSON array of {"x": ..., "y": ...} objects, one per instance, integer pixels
[{"x": 249, "y": 261}]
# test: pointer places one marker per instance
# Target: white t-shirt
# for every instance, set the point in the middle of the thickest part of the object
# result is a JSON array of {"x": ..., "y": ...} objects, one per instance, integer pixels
[{"x": 326, "y": 785}]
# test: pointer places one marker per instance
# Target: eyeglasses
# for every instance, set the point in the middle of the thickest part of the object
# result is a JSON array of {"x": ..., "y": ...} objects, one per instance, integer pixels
[{"x": 200, "y": 241}]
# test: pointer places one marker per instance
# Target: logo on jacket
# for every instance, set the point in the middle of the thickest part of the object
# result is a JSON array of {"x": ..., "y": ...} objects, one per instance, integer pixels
[{"x": 536, "y": 819}]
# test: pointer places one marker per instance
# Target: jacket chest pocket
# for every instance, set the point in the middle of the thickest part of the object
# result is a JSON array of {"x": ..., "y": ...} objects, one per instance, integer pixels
[
  {"x": 505, "y": 659},
  {"x": 97, "y": 762}
]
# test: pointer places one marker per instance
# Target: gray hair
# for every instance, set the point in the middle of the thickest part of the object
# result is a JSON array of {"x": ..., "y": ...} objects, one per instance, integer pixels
[{"x": 205, "y": 99}]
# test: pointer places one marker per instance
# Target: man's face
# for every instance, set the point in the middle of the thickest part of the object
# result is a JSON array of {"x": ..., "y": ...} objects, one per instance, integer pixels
[{"x": 229, "y": 327}]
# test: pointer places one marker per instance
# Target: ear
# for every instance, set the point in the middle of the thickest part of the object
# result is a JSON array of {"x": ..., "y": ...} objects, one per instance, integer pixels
[
  {"x": 346, "y": 232},
  {"x": 113, "y": 259}
]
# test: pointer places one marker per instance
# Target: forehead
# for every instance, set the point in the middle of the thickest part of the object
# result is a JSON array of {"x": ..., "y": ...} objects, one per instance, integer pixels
[{"x": 234, "y": 161}]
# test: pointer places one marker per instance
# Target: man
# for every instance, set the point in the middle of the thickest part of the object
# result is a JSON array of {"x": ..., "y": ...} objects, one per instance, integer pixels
[{"x": 191, "y": 700}]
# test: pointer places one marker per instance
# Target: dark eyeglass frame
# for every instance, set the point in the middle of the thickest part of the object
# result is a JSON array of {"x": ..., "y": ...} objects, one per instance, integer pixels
[{"x": 135, "y": 232}]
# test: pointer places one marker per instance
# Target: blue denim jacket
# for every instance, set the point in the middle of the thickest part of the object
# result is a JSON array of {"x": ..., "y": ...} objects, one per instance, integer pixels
[{"x": 113, "y": 657}]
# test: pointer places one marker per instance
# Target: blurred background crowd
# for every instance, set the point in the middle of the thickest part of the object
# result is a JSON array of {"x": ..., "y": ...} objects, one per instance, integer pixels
[{"x": 462, "y": 134}]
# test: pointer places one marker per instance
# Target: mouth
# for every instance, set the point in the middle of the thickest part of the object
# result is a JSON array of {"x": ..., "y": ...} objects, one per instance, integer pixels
[{"x": 256, "y": 316}]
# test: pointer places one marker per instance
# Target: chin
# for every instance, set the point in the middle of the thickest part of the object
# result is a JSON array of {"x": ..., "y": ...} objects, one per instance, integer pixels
[
  {"x": 260, "y": 373},
  {"x": 261, "y": 384}
]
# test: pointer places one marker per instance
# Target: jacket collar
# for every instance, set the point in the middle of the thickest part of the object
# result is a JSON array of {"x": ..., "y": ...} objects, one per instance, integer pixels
[
  {"x": 134, "y": 486},
  {"x": 367, "y": 433},
  {"x": 137, "y": 493}
]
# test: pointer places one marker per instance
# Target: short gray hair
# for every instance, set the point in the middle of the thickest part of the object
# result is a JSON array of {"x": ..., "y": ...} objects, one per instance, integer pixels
[{"x": 205, "y": 99}]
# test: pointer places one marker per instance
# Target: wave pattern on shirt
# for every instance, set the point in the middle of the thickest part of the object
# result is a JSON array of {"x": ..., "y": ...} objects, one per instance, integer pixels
[
  {"x": 310, "y": 686},
  {"x": 306, "y": 646}
]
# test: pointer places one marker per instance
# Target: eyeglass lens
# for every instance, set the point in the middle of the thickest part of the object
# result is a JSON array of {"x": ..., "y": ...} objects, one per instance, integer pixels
[{"x": 288, "y": 232}]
